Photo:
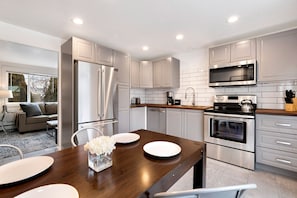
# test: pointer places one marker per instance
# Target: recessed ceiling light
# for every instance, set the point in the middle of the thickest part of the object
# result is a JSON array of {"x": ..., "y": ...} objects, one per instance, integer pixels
[
  {"x": 145, "y": 48},
  {"x": 233, "y": 19},
  {"x": 179, "y": 37},
  {"x": 77, "y": 21}
]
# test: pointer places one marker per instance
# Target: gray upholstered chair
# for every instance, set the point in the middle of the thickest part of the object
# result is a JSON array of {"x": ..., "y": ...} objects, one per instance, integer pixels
[
  {"x": 13, "y": 147},
  {"x": 224, "y": 192},
  {"x": 84, "y": 135}
]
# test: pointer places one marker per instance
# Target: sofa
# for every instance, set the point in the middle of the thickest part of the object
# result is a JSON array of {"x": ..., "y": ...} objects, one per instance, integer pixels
[{"x": 33, "y": 116}]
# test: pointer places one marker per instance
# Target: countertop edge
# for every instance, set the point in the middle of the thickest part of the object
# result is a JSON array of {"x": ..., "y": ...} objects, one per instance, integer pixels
[
  {"x": 276, "y": 112},
  {"x": 171, "y": 106}
]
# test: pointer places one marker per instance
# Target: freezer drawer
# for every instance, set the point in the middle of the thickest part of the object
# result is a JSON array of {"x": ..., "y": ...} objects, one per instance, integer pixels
[{"x": 156, "y": 119}]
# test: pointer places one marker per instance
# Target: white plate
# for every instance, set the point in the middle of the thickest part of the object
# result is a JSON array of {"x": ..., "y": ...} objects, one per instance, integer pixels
[
  {"x": 162, "y": 149},
  {"x": 125, "y": 138},
  {"x": 49, "y": 191},
  {"x": 23, "y": 169}
]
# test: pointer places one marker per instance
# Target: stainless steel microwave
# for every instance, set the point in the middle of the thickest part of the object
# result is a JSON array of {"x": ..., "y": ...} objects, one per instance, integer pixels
[{"x": 237, "y": 73}]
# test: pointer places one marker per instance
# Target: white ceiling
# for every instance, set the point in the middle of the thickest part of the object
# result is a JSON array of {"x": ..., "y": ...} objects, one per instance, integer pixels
[{"x": 127, "y": 25}]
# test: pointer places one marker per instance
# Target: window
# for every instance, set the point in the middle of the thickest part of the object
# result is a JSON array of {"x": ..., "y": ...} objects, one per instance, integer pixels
[{"x": 32, "y": 87}]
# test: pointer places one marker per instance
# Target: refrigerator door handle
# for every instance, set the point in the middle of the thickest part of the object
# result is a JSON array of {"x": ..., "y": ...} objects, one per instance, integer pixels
[{"x": 99, "y": 94}]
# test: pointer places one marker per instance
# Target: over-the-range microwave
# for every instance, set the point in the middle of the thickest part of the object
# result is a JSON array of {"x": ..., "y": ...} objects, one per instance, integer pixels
[{"x": 236, "y": 73}]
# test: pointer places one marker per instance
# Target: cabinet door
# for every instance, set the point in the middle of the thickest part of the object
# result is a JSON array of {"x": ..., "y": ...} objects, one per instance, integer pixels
[
  {"x": 137, "y": 118},
  {"x": 156, "y": 120},
  {"x": 122, "y": 62},
  {"x": 83, "y": 50},
  {"x": 243, "y": 50},
  {"x": 193, "y": 126},
  {"x": 158, "y": 73},
  {"x": 124, "y": 120},
  {"x": 174, "y": 122},
  {"x": 123, "y": 98},
  {"x": 135, "y": 71},
  {"x": 171, "y": 73},
  {"x": 219, "y": 55},
  {"x": 104, "y": 55},
  {"x": 146, "y": 74},
  {"x": 276, "y": 55}
]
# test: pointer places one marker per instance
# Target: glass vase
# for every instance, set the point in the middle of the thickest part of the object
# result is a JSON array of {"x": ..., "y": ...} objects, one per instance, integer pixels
[{"x": 99, "y": 162}]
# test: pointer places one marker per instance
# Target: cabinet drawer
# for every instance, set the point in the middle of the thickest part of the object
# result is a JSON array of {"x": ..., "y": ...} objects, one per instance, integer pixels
[
  {"x": 283, "y": 124},
  {"x": 277, "y": 159},
  {"x": 279, "y": 141}
]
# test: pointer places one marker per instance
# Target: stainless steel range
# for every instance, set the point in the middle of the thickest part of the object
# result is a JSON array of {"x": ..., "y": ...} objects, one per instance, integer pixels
[{"x": 229, "y": 130}]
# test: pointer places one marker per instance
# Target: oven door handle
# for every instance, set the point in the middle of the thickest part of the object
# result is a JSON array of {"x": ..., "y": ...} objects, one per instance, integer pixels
[{"x": 223, "y": 115}]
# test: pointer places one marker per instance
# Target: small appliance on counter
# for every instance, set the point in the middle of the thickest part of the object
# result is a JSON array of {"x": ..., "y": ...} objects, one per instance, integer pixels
[
  {"x": 135, "y": 101},
  {"x": 170, "y": 100},
  {"x": 177, "y": 102}
]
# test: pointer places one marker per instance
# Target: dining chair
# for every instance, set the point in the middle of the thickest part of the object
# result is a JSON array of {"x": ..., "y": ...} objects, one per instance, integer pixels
[
  {"x": 15, "y": 148},
  {"x": 84, "y": 135},
  {"x": 225, "y": 192}
]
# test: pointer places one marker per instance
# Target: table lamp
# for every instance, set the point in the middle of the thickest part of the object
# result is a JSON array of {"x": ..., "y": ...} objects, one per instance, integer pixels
[{"x": 4, "y": 93}]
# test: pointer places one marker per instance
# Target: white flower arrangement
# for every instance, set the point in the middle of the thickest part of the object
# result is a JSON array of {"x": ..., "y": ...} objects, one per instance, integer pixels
[{"x": 100, "y": 145}]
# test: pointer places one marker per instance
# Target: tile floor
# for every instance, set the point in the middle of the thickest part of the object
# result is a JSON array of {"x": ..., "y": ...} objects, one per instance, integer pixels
[{"x": 222, "y": 174}]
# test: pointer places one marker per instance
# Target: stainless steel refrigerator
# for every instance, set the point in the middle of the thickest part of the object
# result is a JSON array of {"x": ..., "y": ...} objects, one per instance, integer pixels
[{"x": 95, "y": 88}]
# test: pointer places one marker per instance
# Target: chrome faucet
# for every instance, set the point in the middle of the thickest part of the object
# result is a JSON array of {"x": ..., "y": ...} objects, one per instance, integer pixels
[{"x": 193, "y": 102}]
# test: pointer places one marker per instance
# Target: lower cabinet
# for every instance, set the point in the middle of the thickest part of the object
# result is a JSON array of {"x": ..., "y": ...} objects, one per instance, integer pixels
[
  {"x": 137, "y": 118},
  {"x": 185, "y": 123},
  {"x": 156, "y": 119},
  {"x": 276, "y": 141},
  {"x": 123, "y": 109}
]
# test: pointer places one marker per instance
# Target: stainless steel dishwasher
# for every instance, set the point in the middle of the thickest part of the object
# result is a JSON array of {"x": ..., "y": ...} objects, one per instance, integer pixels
[{"x": 156, "y": 119}]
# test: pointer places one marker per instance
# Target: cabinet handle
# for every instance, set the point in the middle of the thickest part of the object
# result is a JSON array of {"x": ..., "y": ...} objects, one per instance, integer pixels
[
  {"x": 283, "y": 143},
  {"x": 283, "y": 124},
  {"x": 162, "y": 111},
  {"x": 283, "y": 161}
]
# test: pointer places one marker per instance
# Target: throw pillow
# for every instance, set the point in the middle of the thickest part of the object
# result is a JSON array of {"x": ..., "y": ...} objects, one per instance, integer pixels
[
  {"x": 51, "y": 108},
  {"x": 31, "y": 109}
]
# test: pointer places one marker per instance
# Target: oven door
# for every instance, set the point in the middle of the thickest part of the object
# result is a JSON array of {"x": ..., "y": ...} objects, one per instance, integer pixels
[{"x": 235, "y": 131}]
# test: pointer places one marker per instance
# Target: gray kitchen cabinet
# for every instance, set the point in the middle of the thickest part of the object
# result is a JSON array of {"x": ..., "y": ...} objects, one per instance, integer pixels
[
  {"x": 276, "y": 55},
  {"x": 83, "y": 50},
  {"x": 166, "y": 73},
  {"x": 156, "y": 119},
  {"x": 137, "y": 118},
  {"x": 219, "y": 55},
  {"x": 141, "y": 74},
  {"x": 185, "y": 123},
  {"x": 243, "y": 50},
  {"x": 135, "y": 74},
  {"x": 276, "y": 141},
  {"x": 103, "y": 55},
  {"x": 146, "y": 74},
  {"x": 123, "y": 110},
  {"x": 234, "y": 52},
  {"x": 174, "y": 122},
  {"x": 122, "y": 63}
]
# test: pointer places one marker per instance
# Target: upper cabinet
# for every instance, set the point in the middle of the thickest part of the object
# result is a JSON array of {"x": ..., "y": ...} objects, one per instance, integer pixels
[
  {"x": 89, "y": 51},
  {"x": 122, "y": 63},
  {"x": 146, "y": 74},
  {"x": 219, "y": 55},
  {"x": 141, "y": 74},
  {"x": 83, "y": 50},
  {"x": 103, "y": 55},
  {"x": 242, "y": 50},
  {"x": 277, "y": 57},
  {"x": 166, "y": 73}
]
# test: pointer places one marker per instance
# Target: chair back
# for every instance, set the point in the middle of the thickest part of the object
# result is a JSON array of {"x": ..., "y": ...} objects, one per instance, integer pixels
[
  {"x": 84, "y": 135},
  {"x": 225, "y": 192},
  {"x": 20, "y": 153}
]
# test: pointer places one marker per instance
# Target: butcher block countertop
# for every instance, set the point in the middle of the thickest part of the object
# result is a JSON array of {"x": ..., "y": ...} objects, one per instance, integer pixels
[
  {"x": 172, "y": 106},
  {"x": 276, "y": 112}
]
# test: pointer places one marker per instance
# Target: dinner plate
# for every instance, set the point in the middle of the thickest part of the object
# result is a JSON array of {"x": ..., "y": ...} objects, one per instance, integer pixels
[
  {"x": 125, "y": 138},
  {"x": 49, "y": 191},
  {"x": 23, "y": 169},
  {"x": 162, "y": 149}
]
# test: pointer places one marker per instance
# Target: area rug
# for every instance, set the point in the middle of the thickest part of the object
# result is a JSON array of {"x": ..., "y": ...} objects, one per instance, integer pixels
[{"x": 27, "y": 142}]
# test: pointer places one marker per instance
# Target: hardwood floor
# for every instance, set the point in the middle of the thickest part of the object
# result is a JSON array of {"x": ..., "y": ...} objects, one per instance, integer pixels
[{"x": 221, "y": 174}]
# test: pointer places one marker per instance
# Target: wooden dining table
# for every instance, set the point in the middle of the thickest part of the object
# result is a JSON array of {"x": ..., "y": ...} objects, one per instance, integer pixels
[{"x": 133, "y": 173}]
